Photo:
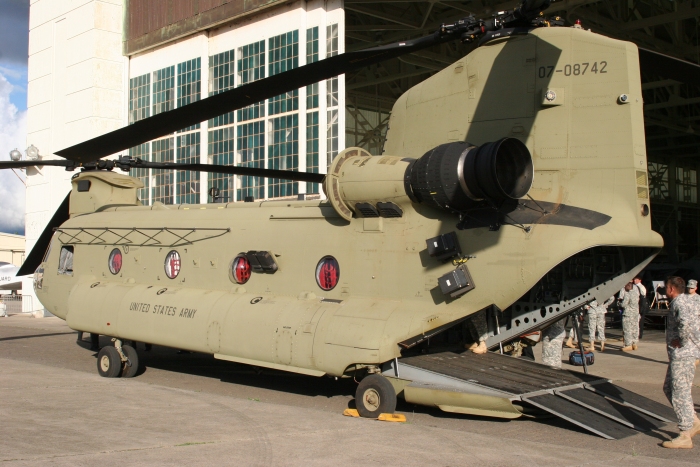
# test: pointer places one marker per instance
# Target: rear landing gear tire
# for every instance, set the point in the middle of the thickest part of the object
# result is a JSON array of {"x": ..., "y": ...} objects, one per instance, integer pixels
[
  {"x": 374, "y": 396},
  {"x": 131, "y": 367},
  {"x": 109, "y": 363}
]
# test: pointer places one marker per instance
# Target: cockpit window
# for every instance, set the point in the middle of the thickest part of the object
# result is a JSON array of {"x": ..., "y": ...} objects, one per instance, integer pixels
[{"x": 65, "y": 262}]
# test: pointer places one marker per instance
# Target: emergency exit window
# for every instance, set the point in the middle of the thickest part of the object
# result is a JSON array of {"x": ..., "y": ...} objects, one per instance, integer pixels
[{"x": 65, "y": 261}]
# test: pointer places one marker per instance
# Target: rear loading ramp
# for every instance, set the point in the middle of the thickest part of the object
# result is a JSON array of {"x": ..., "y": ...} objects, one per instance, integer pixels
[
  {"x": 635, "y": 401},
  {"x": 496, "y": 385}
]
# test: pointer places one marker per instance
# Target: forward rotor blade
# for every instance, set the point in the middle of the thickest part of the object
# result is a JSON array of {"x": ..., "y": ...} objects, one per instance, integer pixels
[
  {"x": 36, "y": 256},
  {"x": 669, "y": 67},
  {"x": 39, "y": 163},
  {"x": 237, "y": 98},
  {"x": 234, "y": 170}
]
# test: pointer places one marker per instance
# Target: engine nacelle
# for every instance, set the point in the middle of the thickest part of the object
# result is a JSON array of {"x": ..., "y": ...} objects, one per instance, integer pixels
[
  {"x": 456, "y": 176},
  {"x": 453, "y": 176}
]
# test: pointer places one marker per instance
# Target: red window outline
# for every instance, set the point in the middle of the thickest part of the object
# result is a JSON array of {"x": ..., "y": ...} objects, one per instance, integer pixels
[
  {"x": 241, "y": 269},
  {"x": 173, "y": 260},
  {"x": 115, "y": 261},
  {"x": 328, "y": 273}
]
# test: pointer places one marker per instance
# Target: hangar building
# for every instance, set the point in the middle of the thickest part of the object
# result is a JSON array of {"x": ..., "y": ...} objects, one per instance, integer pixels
[{"x": 97, "y": 65}]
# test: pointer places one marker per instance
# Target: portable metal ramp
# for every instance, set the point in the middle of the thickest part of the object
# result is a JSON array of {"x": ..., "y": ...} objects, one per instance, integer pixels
[{"x": 490, "y": 384}]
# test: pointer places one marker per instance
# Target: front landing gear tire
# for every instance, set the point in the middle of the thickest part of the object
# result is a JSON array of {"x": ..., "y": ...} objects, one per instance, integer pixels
[
  {"x": 131, "y": 367},
  {"x": 109, "y": 362},
  {"x": 374, "y": 396}
]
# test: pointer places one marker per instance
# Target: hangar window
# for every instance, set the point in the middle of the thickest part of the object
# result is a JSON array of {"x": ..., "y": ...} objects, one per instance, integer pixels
[
  {"x": 311, "y": 57},
  {"x": 687, "y": 185},
  {"x": 312, "y": 148},
  {"x": 139, "y": 98},
  {"x": 251, "y": 67},
  {"x": 142, "y": 151},
  {"x": 332, "y": 40},
  {"x": 222, "y": 143},
  {"x": 283, "y": 55},
  {"x": 283, "y": 154},
  {"x": 658, "y": 180},
  {"x": 189, "y": 84},
  {"x": 163, "y": 90},
  {"x": 250, "y": 152},
  {"x": 332, "y": 95},
  {"x": 222, "y": 69},
  {"x": 188, "y": 181},
  {"x": 331, "y": 136},
  {"x": 65, "y": 261},
  {"x": 163, "y": 180}
]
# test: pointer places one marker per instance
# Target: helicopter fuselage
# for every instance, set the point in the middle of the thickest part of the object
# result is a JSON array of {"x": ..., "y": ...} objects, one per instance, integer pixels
[{"x": 587, "y": 146}]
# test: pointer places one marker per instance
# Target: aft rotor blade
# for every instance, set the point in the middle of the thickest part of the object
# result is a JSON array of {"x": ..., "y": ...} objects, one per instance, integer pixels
[
  {"x": 38, "y": 163},
  {"x": 669, "y": 67},
  {"x": 234, "y": 170},
  {"x": 36, "y": 256},
  {"x": 237, "y": 98}
]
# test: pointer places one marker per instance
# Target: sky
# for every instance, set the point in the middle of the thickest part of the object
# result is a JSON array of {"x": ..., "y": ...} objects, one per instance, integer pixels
[{"x": 14, "y": 40}]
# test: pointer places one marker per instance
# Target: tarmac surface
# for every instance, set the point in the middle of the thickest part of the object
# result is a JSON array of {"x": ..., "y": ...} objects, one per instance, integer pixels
[{"x": 191, "y": 409}]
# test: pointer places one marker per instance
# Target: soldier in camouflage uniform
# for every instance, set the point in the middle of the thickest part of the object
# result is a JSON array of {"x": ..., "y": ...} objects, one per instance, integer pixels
[
  {"x": 691, "y": 289},
  {"x": 683, "y": 347},
  {"x": 552, "y": 340},
  {"x": 479, "y": 331},
  {"x": 630, "y": 317},
  {"x": 596, "y": 324}
]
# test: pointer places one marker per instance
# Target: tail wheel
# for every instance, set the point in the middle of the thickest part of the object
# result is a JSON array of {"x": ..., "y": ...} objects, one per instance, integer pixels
[
  {"x": 109, "y": 363},
  {"x": 374, "y": 396},
  {"x": 131, "y": 367}
]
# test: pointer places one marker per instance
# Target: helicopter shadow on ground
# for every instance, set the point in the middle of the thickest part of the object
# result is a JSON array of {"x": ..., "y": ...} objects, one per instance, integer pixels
[{"x": 204, "y": 365}]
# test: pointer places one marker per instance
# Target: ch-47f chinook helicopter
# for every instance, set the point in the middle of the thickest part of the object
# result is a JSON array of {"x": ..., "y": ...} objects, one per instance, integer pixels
[{"x": 513, "y": 183}]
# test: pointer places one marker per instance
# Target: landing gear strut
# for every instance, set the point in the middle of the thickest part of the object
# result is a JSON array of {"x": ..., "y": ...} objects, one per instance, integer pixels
[{"x": 120, "y": 360}]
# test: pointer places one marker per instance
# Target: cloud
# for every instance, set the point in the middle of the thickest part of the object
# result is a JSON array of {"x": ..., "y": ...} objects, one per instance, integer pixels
[{"x": 13, "y": 134}]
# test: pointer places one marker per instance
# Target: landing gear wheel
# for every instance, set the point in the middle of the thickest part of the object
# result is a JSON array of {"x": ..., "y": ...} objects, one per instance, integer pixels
[
  {"x": 374, "y": 396},
  {"x": 132, "y": 366},
  {"x": 109, "y": 363}
]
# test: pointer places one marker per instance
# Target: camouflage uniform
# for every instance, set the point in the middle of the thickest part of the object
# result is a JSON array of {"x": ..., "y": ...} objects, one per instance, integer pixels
[
  {"x": 596, "y": 322},
  {"x": 683, "y": 326},
  {"x": 630, "y": 318},
  {"x": 552, "y": 341},
  {"x": 478, "y": 327}
]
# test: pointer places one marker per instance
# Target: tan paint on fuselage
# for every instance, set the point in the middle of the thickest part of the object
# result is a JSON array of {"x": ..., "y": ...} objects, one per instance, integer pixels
[{"x": 586, "y": 150}]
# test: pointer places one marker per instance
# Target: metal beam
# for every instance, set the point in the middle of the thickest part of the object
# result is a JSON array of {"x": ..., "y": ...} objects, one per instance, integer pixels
[
  {"x": 659, "y": 84},
  {"x": 417, "y": 61},
  {"x": 674, "y": 101},
  {"x": 685, "y": 13},
  {"x": 384, "y": 79},
  {"x": 377, "y": 27},
  {"x": 381, "y": 15},
  {"x": 671, "y": 125}
]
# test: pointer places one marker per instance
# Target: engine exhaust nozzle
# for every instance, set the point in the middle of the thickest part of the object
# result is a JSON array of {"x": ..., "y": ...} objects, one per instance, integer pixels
[{"x": 457, "y": 176}]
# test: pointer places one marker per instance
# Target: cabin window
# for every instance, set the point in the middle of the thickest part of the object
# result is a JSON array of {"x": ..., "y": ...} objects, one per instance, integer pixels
[{"x": 65, "y": 261}]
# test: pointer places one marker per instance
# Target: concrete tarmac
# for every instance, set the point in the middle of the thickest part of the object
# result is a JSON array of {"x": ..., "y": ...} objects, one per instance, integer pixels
[{"x": 191, "y": 409}]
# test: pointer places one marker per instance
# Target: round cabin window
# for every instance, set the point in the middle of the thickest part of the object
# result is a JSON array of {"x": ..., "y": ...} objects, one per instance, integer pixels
[
  {"x": 240, "y": 269},
  {"x": 327, "y": 273},
  {"x": 115, "y": 261},
  {"x": 172, "y": 264}
]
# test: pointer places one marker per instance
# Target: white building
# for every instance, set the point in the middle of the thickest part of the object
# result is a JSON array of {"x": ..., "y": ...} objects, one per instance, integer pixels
[{"x": 97, "y": 65}]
